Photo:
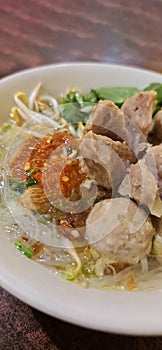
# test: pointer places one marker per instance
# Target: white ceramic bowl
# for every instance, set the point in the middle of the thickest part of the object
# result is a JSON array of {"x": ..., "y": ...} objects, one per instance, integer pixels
[{"x": 137, "y": 313}]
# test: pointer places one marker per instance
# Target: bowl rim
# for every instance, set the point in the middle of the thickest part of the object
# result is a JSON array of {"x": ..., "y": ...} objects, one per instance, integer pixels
[{"x": 73, "y": 313}]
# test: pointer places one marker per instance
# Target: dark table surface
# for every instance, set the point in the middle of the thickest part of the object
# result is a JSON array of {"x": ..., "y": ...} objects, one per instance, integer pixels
[{"x": 36, "y": 32}]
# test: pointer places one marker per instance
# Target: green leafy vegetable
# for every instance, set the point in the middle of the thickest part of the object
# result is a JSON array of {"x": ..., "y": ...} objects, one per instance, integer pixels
[
  {"x": 72, "y": 114},
  {"x": 24, "y": 249},
  {"x": 91, "y": 97},
  {"x": 70, "y": 276},
  {"x": 71, "y": 272},
  {"x": 31, "y": 172},
  {"x": 6, "y": 128},
  {"x": 30, "y": 182},
  {"x": 17, "y": 185},
  {"x": 116, "y": 94},
  {"x": 20, "y": 186},
  {"x": 79, "y": 99},
  {"x": 88, "y": 271},
  {"x": 158, "y": 88},
  {"x": 1, "y": 153},
  {"x": 72, "y": 104},
  {"x": 44, "y": 221},
  {"x": 72, "y": 97}
]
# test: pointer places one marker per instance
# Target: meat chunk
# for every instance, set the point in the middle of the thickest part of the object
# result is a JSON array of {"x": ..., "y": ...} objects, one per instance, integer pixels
[
  {"x": 119, "y": 230},
  {"x": 108, "y": 120},
  {"x": 104, "y": 118},
  {"x": 33, "y": 154},
  {"x": 104, "y": 159},
  {"x": 140, "y": 185},
  {"x": 44, "y": 148},
  {"x": 153, "y": 159},
  {"x": 139, "y": 109},
  {"x": 157, "y": 128},
  {"x": 34, "y": 198},
  {"x": 71, "y": 225}
]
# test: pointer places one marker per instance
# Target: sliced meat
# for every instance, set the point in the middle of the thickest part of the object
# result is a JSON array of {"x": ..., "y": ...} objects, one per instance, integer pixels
[
  {"x": 139, "y": 109},
  {"x": 153, "y": 159},
  {"x": 119, "y": 230},
  {"x": 105, "y": 160},
  {"x": 157, "y": 128},
  {"x": 140, "y": 185},
  {"x": 108, "y": 120}
]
